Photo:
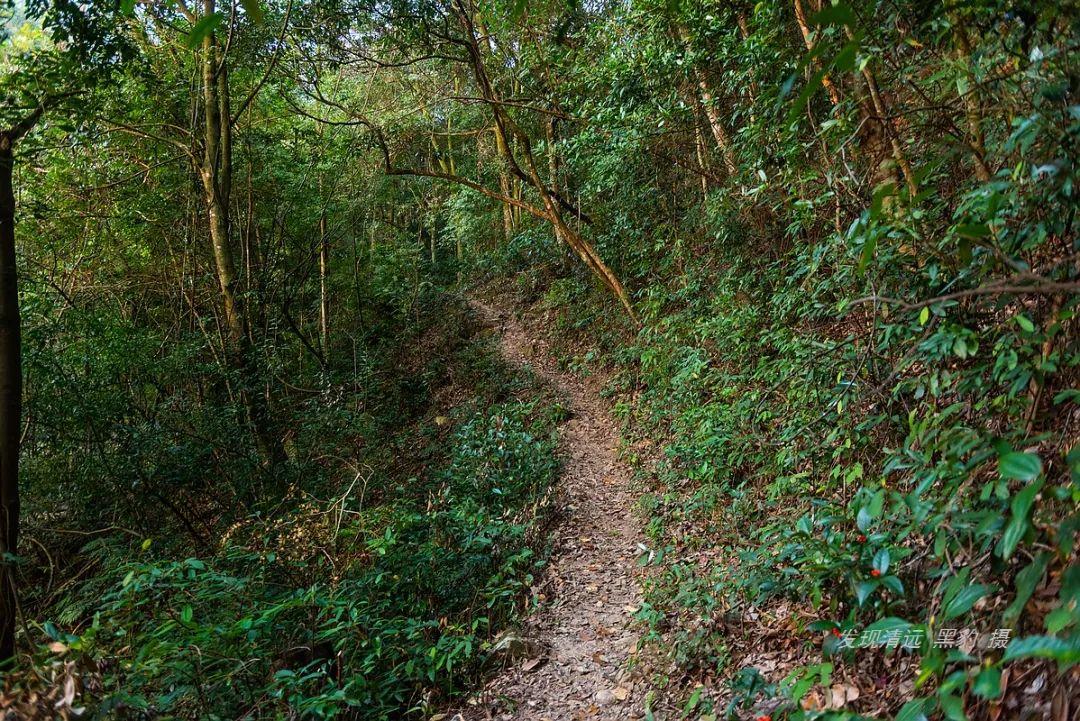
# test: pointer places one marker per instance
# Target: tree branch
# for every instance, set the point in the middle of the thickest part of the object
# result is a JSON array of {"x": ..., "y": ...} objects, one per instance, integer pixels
[{"x": 280, "y": 45}]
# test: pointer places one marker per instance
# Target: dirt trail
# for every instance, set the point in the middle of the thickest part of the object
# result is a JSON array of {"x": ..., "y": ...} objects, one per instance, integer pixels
[{"x": 579, "y": 641}]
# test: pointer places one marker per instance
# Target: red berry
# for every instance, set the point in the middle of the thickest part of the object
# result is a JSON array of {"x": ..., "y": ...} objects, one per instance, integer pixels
[
  {"x": 764, "y": 718},
  {"x": 875, "y": 573},
  {"x": 862, "y": 538},
  {"x": 836, "y": 632}
]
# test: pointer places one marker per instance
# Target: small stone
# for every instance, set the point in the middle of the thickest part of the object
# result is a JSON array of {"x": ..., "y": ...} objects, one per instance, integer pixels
[{"x": 604, "y": 697}]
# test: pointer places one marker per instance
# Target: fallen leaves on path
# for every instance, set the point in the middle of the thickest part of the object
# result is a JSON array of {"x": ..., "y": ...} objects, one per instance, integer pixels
[{"x": 591, "y": 589}]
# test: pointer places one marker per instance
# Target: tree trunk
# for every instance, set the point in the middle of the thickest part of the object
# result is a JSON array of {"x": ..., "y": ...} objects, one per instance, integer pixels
[
  {"x": 216, "y": 167},
  {"x": 505, "y": 186},
  {"x": 216, "y": 175},
  {"x": 882, "y": 111},
  {"x": 972, "y": 109},
  {"x": 716, "y": 123},
  {"x": 699, "y": 151},
  {"x": 324, "y": 285},
  {"x": 10, "y": 400},
  {"x": 804, "y": 29},
  {"x": 504, "y": 124},
  {"x": 552, "y": 161}
]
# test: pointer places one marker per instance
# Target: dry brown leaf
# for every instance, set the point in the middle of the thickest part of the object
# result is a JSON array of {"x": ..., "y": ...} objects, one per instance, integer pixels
[
  {"x": 532, "y": 663},
  {"x": 842, "y": 694},
  {"x": 812, "y": 701}
]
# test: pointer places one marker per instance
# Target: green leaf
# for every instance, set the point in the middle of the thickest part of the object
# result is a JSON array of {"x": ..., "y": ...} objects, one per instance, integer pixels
[
  {"x": 863, "y": 589},
  {"x": 962, "y": 602},
  {"x": 869, "y": 246},
  {"x": 913, "y": 710},
  {"x": 1018, "y": 524},
  {"x": 877, "y": 503},
  {"x": 1019, "y": 466},
  {"x": 952, "y": 707},
  {"x": 1065, "y": 652},
  {"x": 890, "y": 623},
  {"x": 803, "y": 525},
  {"x": 1011, "y": 537},
  {"x": 1060, "y": 618},
  {"x": 1026, "y": 581},
  {"x": 881, "y": 192},
  {"x": 804, "y": 97},
  {"x": 964, "y": 254},
  {"x": 692, "y": 702},
  {"x": 954, "y": 585},
  {"x": 845, "y": 60},
  {"x": 974, "y": 232},
  {"x": 202, "y": 28},
  {"x": 893, "y": 584},
  {"x": 839, "y": 14},
  {"x": 51, "y": 630},
  {"x": 186, "y": 614},
  {"x": 1023, "y": 322},
  {"x": 881, "y": 561},
  {"x": 988, "y": 683},
  {"x": 253, "y": 9},
  {"x": 862, "y": 520},
  {"x": 924, "y": 316}
]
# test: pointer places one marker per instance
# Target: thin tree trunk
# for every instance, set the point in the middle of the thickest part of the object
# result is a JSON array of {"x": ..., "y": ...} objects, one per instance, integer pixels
[
  {"x": 702, "y": 157},
  {"x": 507, "y": 213},
  {"x": 886, "y": 124},
  {"x": 899, "y": 156},
  {"x": 804, "y": 29},
  {"x": 552, "y": 155},
  {"x": 214, "y": 172},
  {"x": 216, "y": 175},
  {"x": 10, "y": 400},
  {"x": 552, "y": 160},
  {"x": 972, "y": 107},
  {"x": 505, "y": 185},
  {"x": 744, "y": 33},
  {"x": 503, "y": 124},
  {"x": 458, "y": 256},
  {"x": 324, "y": 285},
  {"x": 716, "y": 123}
]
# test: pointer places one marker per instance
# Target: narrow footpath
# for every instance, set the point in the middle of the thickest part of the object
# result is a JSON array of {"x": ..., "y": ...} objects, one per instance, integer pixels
[{"x": 581, "y": 639}]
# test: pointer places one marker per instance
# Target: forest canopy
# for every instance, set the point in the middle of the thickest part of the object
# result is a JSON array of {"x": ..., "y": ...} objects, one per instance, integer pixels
[{"x": 262, "y": 454}]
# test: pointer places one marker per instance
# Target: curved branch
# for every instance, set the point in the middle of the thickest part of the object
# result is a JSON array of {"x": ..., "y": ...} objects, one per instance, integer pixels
[
  {"x": 269, "y": 68},
  {"x": 1004, "y": 287},
  {"x": 527, "y": 207}
]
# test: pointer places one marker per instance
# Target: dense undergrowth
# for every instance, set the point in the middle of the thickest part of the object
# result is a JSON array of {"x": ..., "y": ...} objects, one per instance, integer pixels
[
  {"x": 399, "y": 540},
  {"x": 858, "y": 441},
  {"x": 823, "y": 472},
  {"x": 790, "y": 504},
  {"x": 824, "y": 251}
]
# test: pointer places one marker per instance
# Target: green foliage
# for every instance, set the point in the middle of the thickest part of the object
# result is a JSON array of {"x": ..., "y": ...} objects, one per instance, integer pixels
[
  {"x": 858, "y": 411},
  {"x": 852, "y": 251},
  {"x": 351, "y": 603}
]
